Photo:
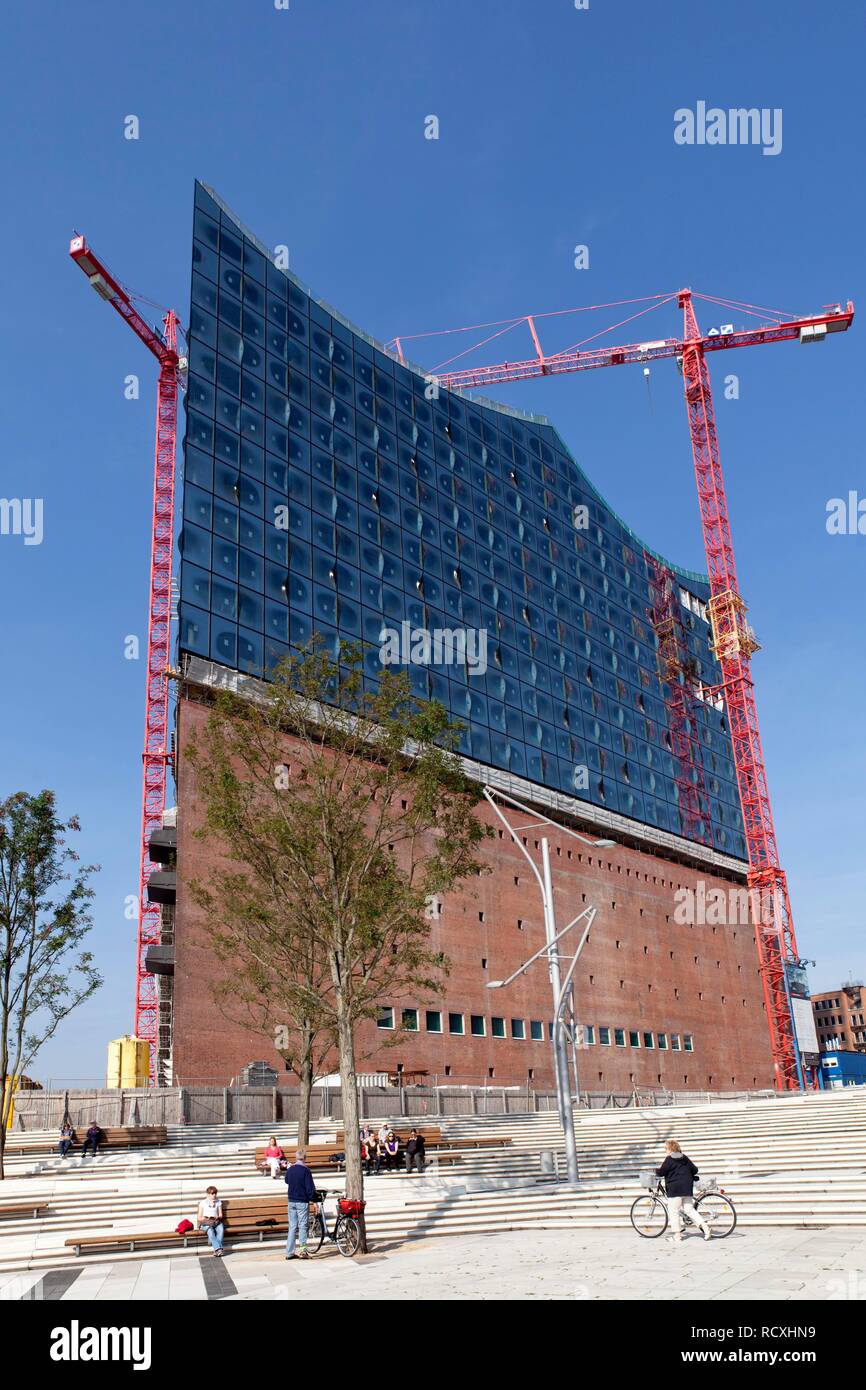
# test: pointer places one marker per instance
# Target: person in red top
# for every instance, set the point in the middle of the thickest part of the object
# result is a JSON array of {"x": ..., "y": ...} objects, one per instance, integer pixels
[{"x": 274, "y": 1158}]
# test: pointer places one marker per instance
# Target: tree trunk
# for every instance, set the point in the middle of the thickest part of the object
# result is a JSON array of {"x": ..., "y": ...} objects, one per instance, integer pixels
[
  {"x": 306, "y": 1078},
  {"x": 351, "y": 1120}
]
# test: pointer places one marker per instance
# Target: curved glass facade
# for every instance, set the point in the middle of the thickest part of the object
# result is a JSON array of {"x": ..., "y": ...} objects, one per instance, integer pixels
[{"x": 330, "y": 489}]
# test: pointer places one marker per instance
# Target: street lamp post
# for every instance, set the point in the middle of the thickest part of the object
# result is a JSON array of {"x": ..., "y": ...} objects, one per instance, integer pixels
[{"x": 550, "y": 949}]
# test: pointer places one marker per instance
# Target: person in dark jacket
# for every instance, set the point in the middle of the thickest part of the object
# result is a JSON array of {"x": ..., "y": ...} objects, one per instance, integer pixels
[
  {"x": 415, "y": 1147},
  {"x": 92, "y": 1138},
  {"x": 679, "y": 1174},
  {"x": 301, "y": 1191}
]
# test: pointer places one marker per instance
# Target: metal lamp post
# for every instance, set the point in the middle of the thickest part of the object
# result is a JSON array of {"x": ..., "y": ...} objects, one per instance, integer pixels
[{"x": 550, "y": 949}]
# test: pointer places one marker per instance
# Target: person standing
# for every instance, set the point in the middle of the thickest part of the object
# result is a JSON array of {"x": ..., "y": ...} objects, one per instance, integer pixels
[
  {"x": 415, "y": 1151},
  {"x": 301, "y": 1192},
  {"x": 210, "y": 1219},
  {"x": 679, "y": 1175},
  {"x": 67, "y": 1138}
]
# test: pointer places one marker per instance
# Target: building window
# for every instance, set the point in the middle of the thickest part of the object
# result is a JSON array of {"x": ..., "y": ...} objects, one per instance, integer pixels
[
  {"x": 662, "y": 1041},
  {"x": 434, "y": 1021},
  {"x": 518, "y": 1028},
  {"x": 477, "y": 1026},
  {"x": 588, "y": 1034},
  {"x": 648, "y": 1040},
  {"x": 410, "y": 1020},
  {"x": 604, "y": 1037},
  {"x": 386, "y": 1018},
  {"x": 633, "y": 1038},
  {"x": 497, "y": 1027},
  {"x": 455, "y": 1023},
  {"x": 536, "y": 1030},
  {"x": 675, "y": 1042},
  {"x": 687, "y": 1042},
  {"x": 619, "y": 1037}
]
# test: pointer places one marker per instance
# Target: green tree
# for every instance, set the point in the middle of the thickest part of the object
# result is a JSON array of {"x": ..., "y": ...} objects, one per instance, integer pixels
[
  {"x": 349, "y": 811},
  {"x": 45, "y": 915}
]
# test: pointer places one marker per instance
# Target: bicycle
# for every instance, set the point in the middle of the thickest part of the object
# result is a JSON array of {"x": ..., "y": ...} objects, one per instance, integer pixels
[
  {"x": 346, "y": 1231},
  {"x": 649, "y": 1214}
]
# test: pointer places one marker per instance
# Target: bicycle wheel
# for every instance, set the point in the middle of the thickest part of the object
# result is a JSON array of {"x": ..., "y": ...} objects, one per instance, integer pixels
[
  {"x": 315, "y": 1233},
  {"x": 347, "y": 1235},
  {"x": 649, "y": 1216},
  {"x": 718, "y": 1212}
]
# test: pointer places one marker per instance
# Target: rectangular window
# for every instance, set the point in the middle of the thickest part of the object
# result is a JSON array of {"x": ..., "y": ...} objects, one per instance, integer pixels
[
  {"x": 410, "y": 1020},
  {"x": 633, "y": 1038},
  {"x": 550, "y": 1032},
  {"x": 604, "y": 1037},
  {"x": 434, "y": 1021},
  {"x": 662, "y": 1041},
  {"x": 477, "y": 1025},
  {"x": 497, "y": 1027},
  {"x": 648, "y": 1040},
  {"x": 518, "y": 1028},
  {"x": 675, "y": 1042},
  {"x": 536, "y": 1030},
  {"x": 588, "y": 1034},
  {"x": 687, "y": 1042},
  {"x": 619, "y": 1037},
  {"x": 386, "y": 1018},
  {"x": 455, "y": 1023}
]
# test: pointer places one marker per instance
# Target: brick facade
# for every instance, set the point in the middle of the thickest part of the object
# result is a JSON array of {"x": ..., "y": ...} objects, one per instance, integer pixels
[{"x": 641, "y": 971}]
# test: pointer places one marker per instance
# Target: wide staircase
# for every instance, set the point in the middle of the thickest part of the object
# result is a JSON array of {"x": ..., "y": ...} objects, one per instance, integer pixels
[{"x": 792, "y": 1161}]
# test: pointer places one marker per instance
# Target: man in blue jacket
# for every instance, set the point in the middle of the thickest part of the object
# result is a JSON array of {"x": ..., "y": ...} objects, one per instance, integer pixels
[{"x": 302, "y": 1191}]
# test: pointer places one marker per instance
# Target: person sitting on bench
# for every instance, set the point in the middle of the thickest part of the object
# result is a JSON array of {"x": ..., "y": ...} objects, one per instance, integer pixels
[
  {"x": 415, "y": 1151},
  {"x": 93, "y": 1136},
  {"x": 67, "y": 1138},
  {"x": 274, "y": 1158}
]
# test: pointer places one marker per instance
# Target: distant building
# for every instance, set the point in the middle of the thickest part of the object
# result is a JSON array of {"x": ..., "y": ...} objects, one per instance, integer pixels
[{"x": 840, "y": 1018}]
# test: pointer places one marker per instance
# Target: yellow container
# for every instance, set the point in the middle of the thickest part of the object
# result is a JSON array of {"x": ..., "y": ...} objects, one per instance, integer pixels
[{"x": 128, "y": 1063}]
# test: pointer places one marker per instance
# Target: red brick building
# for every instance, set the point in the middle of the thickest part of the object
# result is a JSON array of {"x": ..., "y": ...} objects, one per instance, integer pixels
[{"x": 661, "y": 1002}]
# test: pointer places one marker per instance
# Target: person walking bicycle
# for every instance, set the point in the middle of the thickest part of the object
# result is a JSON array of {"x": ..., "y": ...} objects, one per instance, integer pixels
[{"x": 679, "y": 1175}]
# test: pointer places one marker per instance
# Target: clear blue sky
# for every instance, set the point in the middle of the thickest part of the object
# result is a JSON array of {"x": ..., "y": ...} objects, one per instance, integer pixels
[{"x": 556, "y": 128}]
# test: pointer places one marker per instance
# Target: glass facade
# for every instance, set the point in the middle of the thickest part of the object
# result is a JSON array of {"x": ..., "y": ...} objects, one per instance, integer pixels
[{"x": 330, "y": 489}]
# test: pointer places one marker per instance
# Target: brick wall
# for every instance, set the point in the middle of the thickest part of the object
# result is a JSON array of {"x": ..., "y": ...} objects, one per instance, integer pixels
[{"x": 640, "y": 970}]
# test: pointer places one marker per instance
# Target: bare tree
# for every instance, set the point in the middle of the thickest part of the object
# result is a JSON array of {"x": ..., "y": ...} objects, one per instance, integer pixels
[
  {"x": 349, "y": 811},
  {"x": 42, "y": 924}
]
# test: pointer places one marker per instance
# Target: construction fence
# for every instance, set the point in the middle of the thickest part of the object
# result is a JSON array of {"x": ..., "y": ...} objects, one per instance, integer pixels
[{"x": 218, "y": 1105}]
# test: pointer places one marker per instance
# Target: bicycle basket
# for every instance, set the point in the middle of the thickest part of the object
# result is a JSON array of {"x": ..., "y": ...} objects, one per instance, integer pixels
[
  {"x": 350, "y": 1207},
  {"x": 647, "y": 1178}
]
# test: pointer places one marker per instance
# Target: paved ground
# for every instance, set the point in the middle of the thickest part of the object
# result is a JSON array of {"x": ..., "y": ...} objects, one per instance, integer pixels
[{"x": 753, "y": 1264}]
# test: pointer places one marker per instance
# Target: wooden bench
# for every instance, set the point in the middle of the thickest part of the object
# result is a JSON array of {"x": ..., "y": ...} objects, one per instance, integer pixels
[
  {"x": 242, "y": 1216},
  {"x": 23, "y": 1208},
  {"x": 121, "y": 1137}
]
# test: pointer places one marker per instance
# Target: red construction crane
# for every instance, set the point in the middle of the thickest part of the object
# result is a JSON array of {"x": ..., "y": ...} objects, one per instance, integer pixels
[
  {"x": 733, "y": 640},
  {"x": 156, "y": 752}
]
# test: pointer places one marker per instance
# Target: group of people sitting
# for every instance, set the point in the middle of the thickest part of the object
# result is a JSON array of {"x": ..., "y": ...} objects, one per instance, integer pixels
[
  {"x": 383, "y": 1147},
  {"x": 378, "y": 1149},
  {"x": 68, "y": 1138}
]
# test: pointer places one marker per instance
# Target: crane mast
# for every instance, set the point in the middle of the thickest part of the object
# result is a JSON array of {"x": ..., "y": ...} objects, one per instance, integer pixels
[{"x": 155, "y": 756}]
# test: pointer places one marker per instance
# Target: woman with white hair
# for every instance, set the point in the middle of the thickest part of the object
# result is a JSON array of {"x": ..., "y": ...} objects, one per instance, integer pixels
[{"x": 679, "y": 1174}]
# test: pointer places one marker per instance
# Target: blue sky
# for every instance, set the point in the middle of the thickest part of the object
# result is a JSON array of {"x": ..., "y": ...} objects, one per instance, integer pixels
[{"x": 556, "y": 129}]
